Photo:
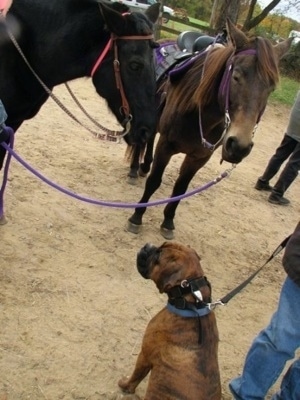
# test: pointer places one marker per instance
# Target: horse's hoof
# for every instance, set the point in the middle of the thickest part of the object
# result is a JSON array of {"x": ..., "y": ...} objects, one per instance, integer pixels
[
  {"x": 167, "y": 233},
  {"x": 3, "y": 220},
  {"x": 132, "y": 180},
  {"x": 133, "y": 228},
  {"x": 142, "y": 173}
]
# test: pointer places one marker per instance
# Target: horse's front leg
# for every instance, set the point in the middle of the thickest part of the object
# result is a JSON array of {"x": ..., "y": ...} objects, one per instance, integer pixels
[
  {"x": 188, "y": 170},
  {"x": 163, "y": 154},
  {"x": 134, "y": 164}
]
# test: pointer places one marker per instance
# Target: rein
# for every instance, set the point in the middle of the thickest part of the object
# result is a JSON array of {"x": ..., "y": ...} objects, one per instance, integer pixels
[{"x": 113, "y": 43}]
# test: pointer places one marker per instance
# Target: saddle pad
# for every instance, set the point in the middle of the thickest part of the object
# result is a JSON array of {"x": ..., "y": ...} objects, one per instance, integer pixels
[
  {"x": 167, "y": 56},
  {"x": 173, "y": 61}
]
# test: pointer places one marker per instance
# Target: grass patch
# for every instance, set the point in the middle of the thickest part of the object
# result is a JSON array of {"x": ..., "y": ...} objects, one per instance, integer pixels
[
  {"x": 198, "y": 21},
  {"x": 286, "y": 91}
]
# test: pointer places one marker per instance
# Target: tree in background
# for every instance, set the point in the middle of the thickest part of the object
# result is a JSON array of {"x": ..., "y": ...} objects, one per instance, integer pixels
[
  {"x": 195, "y": 8},
  {"x": 223, "y": 9},
  {"x": 253, "y": 20},
  {"x": 276, "y": 26},
  {"x": 248, "y": 13},
  {"x": 253, "y": 13}
]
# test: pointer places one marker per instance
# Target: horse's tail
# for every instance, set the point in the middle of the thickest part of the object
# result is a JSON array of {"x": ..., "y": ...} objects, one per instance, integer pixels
[{"x": 130, "y": 153}]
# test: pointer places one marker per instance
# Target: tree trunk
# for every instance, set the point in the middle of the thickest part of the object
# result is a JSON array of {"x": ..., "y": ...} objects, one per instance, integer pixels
[{"x": 228, "y": 9}]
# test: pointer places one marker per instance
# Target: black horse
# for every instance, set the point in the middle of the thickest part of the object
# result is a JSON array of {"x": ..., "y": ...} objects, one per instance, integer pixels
[{"x": 62, "y": 40}]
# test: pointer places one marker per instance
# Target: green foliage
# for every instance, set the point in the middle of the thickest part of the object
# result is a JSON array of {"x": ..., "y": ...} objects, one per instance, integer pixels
[
  {"x": 195, "y": 8},
  {"x": 286, "y": 91},
  {"x": 198, "y": 21},
  {"x": 290, "y": 63}
]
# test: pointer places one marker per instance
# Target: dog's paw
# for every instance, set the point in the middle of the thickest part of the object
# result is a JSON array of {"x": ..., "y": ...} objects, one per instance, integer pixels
[
  {"x": 124, "y": 396},
  {"x": 125, "y": 385},
  {"x": 119, "y": 396}
]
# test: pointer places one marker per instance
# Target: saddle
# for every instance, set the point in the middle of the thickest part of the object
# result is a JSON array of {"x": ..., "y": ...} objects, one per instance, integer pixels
[{"x": 175, "y": 58}]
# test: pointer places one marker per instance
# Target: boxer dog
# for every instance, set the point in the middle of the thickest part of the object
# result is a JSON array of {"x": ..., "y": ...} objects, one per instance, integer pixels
[{"x": 180, "y": 345}]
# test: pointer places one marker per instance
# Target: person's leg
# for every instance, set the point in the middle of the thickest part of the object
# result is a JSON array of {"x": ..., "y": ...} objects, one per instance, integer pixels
[
  {"x": 290, "y": 385},
  {"x": 287, "y": 176},
  {"x": 272, "y": 348},
  {"x": 282, "y": 153}
]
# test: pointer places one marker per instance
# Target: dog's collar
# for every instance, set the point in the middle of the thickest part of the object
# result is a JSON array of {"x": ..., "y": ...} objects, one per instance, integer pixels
[
  {"x": 191, "y": 312},
  {"x": 189, "y": 286}
]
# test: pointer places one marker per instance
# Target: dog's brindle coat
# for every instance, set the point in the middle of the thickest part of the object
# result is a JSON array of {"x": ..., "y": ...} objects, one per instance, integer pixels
[{"x": 181, "y": 368}]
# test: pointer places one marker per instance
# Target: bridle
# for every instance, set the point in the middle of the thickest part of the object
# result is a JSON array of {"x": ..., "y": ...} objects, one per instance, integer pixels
[
  {"x": 125, "y": 109},
  {"x": 112, "y": 43},
  {"x": 223, "y": 97}
]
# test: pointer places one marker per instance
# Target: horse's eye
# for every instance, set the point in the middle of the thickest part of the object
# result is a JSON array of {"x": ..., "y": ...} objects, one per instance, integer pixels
[
  {"x": 136, "y": 66},
  {"x": 236, "y": 77}
]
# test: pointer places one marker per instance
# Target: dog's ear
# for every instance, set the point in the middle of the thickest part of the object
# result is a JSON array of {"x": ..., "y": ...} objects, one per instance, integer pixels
[{"x": 148, "y": 254}]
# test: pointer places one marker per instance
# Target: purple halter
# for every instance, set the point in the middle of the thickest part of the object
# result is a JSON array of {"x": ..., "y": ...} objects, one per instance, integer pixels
[
  {"x": 225, "y": 82},
  {"x": 223, "y": 97}
]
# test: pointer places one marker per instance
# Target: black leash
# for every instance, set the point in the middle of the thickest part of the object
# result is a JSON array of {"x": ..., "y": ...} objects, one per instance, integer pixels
[{"x": 224, "y": 300}]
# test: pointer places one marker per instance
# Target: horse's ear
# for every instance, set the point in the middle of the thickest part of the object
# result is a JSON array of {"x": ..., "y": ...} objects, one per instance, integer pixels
[
  {"x": 113, "y": 19},
  {"x": 152, "y": 12},
  {"x": 282, "y": 48},
  {"x": 237, "y": 37}
]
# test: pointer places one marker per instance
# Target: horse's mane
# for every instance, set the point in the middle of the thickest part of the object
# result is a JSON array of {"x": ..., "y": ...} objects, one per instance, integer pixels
[{"x": 200, "y": 84}]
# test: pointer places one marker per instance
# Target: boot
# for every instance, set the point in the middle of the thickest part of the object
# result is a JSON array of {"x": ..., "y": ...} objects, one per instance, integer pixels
[
  {"x": 263, "y": 185},
  {"x": 278, "y": 199}
]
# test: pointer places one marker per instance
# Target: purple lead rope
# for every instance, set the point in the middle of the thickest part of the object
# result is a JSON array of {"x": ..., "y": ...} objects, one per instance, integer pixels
[
  {"x": 87, "y": 199},
  {"x": 6, "y": 168}
]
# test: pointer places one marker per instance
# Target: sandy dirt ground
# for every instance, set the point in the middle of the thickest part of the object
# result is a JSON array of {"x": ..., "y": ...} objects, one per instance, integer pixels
[{"x": 73, "y": 308}]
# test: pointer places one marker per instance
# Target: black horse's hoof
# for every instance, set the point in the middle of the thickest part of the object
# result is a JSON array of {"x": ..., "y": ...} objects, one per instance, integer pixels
[
  {"x": 133, "y": 228},
  {"x": 132, "y": 180},
  {"x": 142, "y": 173},
  {"x": 167, "y": 233}
]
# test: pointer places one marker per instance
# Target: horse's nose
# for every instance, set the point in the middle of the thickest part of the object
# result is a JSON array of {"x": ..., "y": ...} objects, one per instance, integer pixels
[{"x": 235, "y": 151}]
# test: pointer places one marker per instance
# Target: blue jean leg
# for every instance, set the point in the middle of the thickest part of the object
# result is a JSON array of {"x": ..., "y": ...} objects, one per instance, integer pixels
[
  {"x": 272, "y": 348},
  {"x": 290, "y": 385}
]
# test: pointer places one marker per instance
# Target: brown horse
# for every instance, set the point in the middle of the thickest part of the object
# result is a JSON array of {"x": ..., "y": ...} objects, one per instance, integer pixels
[{"x": 217, "y": 101}]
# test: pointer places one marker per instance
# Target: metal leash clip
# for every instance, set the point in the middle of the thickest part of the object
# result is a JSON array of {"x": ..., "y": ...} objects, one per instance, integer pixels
[{"x": 214, "y": 304}]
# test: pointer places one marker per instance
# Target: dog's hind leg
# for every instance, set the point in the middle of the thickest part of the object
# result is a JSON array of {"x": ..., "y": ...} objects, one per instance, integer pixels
[{"x": 141, "y": 370}]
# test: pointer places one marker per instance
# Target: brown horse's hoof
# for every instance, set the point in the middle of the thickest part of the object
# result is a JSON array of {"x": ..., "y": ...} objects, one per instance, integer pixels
[
  {"x": 132, "y": 181},
  {"x": 133, "y": 228},
  {"x": 3, "y": 220},
  {"x": 167, "y": 233}
]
